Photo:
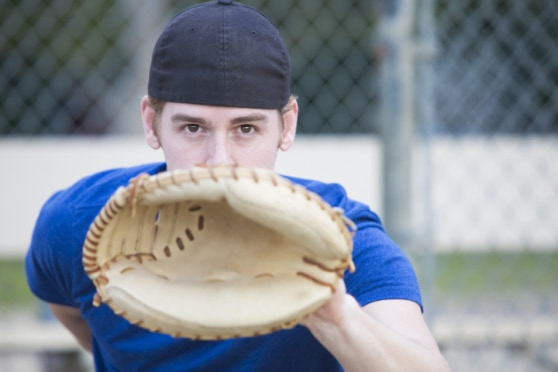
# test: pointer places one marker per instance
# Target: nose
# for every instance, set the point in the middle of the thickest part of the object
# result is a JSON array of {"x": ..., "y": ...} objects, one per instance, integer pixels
[{"x": 219, "y": 151}]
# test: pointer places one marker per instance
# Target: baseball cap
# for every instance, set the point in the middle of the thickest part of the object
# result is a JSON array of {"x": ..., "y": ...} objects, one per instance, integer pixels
[{"x": 221, "y": 53}]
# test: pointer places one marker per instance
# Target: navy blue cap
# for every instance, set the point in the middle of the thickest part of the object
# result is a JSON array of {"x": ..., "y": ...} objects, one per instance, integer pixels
[{"x": 221, "y": 53}]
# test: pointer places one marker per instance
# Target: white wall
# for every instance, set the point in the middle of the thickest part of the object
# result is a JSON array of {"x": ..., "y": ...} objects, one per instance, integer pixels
[{"x": 495, "y": 192}]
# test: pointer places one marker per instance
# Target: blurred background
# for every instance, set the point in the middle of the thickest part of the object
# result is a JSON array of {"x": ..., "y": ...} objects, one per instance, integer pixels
[{"x": 444, "y": 113}]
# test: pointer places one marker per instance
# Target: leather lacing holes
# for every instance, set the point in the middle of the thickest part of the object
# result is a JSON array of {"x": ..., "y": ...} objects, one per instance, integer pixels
[
  {"x": 189, "y": 234},
  {"x": 180, "y": 243},
  {"x": 201, "y": 222}
]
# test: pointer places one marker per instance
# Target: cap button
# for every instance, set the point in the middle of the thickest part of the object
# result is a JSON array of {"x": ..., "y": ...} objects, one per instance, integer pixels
[{"x": 225, "y": 2}]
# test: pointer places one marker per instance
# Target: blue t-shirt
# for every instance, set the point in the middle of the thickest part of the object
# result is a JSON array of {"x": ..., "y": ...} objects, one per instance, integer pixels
[{"x": 55, "y": 274}]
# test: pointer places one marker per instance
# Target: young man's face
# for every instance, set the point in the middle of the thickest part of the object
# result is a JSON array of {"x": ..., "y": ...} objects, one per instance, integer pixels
[{"x": 191, "y": 135}]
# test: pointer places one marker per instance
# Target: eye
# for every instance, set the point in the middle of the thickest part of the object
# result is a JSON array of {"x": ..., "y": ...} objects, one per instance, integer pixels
[
  {"x": 246, "y": 129},
  {"x": 192, "y": 128}
]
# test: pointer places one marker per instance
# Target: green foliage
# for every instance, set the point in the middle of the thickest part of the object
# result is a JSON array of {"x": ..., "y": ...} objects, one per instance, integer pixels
[
  {"x": 495, "y": 272},
  {"x": 14, "y": 292}
]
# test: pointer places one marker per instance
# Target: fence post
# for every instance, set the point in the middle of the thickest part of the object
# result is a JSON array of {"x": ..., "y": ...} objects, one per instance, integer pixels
[
  {"x": 146, "y": 20},
  {"x": 425, "y": 112},
  {"x": 397, "y": 115}
]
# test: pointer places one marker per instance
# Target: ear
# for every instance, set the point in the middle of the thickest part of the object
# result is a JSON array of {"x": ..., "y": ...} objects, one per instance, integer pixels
[
  {"x": 149, "y": 128},
  {"x": 290, "y": 120}
]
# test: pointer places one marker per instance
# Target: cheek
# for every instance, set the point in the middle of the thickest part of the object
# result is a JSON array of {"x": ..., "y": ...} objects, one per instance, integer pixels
[
  {"x": 264, "y": 155},
  {"x": 178, "y": 155}
]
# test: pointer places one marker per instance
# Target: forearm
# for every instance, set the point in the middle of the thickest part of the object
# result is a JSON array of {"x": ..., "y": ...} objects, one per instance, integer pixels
[
  {"x": 73, "y": 321},
  {"x": 362, "y": 343}
]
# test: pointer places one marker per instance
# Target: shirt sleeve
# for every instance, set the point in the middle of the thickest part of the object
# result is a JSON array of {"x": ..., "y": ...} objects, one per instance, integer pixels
[
  {"x": 53, "y": 263},
  {"x": 48, "y": 261},
  {"x": 383, "y": 271}
]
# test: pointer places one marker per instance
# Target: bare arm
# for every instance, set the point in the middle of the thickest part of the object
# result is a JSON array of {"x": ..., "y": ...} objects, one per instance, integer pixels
[
  {"x": 71, "y": 318},
  {"x": 388, "y": 335}
]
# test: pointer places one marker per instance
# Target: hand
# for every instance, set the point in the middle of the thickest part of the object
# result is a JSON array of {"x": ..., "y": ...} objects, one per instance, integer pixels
[{"x": 332, "y": 312}]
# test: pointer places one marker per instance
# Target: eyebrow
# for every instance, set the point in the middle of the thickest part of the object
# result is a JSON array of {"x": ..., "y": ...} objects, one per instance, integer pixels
[
  {"x": 250, "y": 118},
  {"x": 182, "y": 118}
]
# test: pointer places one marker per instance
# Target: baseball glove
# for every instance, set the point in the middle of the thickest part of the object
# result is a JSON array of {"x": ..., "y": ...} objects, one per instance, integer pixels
[{"x": 215, "y": 253}]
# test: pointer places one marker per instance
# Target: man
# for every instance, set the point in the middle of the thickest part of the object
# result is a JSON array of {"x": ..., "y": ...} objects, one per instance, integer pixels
[{"x": 219, "y": 93}]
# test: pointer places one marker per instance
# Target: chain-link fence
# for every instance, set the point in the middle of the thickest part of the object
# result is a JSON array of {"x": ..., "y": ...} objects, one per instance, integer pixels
[
  {"x": 492, "y": 180},
  {"x": 497, "y": 69},
  {"x": 481, "y": 179},
  {"x": 74, "y": 67}
]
